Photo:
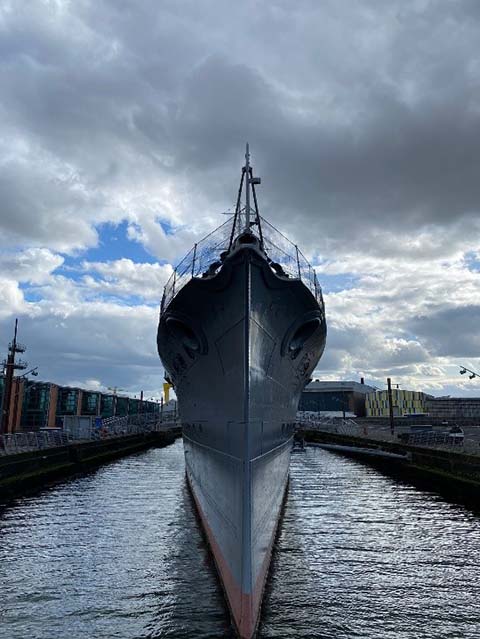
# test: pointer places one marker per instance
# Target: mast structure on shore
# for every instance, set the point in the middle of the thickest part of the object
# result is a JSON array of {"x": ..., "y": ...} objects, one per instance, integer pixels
[{"x": 9, "y": 368}]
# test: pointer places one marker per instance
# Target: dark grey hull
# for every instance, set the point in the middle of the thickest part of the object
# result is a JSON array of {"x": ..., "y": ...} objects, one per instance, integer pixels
[{"x": 239, "y": 348}]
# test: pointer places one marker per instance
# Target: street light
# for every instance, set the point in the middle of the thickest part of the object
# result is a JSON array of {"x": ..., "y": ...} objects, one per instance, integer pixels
[
  {"x": 115, "y": 389},
  {"x": 33, "y": 372},
  {"x": 473, "y": 374}
]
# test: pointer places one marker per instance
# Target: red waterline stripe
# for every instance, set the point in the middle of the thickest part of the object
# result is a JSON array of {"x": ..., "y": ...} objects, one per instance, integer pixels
[
  {"x": 233, "y": 591},
  {"x": 244, "y": 607}
]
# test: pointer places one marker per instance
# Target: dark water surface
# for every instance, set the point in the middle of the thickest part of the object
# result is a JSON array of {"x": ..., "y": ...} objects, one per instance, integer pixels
[{"x": 118, "y": 553}]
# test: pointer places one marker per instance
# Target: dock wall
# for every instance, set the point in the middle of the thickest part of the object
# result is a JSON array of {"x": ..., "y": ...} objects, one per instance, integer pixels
[
  {"x": 437, "y": 468},
  {"x": 28, "y": 471}
]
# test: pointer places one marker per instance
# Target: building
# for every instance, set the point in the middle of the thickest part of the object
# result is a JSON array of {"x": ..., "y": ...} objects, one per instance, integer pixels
[
  {"x": 454, "y": 409},
  {"x": 404, "y": 402},
  {"x": 37, "y": 405},
  {"x": 335, "y": 397}
]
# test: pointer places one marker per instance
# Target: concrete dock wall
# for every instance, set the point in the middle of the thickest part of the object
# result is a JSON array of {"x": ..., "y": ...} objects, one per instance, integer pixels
[
  {"x": 449, "y": 469},
  {"x": 24, "y": 472}
]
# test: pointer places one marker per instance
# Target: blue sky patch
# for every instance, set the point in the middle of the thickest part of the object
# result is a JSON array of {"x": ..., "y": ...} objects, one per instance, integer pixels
[
  {"x": 167, "y": 226},
  {"x": 113, "y": 244},
  {"x": 338, "y": 282},
  {"x": 472, "y": 261},
  {"x": 31, "y": 294}
]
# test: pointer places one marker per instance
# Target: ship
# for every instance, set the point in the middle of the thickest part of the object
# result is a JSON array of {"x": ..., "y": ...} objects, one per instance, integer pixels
[{"x": 242, "y": 327}]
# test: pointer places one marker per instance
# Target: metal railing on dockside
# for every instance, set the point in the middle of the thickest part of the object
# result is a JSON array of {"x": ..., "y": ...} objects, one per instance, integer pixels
[
  {"x": 84, "y": 429},
  {"x": 429, "y": 439},
  {"x": 22, "y": 442}
]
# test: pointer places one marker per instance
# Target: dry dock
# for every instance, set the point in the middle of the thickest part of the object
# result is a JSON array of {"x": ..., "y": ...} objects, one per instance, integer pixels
[
  {"x": 118, "y": 553},
  {"x": 30, "y": 470},
  {"x": 448, "y": 470}
]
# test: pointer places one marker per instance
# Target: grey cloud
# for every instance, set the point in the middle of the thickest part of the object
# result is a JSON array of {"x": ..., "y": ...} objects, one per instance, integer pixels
[
  {"x": 367, "y": 349},
  {"x": 33, "y": 265},
  {"x": 363, "y": 120},
  {"x": 112, "y": 344},
  {"x": 402, "y": 171},
  {"x": 39, "y": 207},
  {"x": 140, "y": 91},
  {"x": 453, "y": 332}
]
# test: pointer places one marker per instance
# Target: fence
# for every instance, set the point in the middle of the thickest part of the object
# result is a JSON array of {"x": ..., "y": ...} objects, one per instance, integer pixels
[
  {"x": 21, "y": 442},
  {"x": 80, "y": 428},
  {"x": 335, "y": 425},
  {"x": 97, "y": 428},
  {"x": 207, "y": 255},
  {"x": 429, "y": 438}
]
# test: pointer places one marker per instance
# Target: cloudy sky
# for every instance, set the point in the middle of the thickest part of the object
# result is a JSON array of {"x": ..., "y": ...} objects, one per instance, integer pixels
[{"x": 122, "y": 128}]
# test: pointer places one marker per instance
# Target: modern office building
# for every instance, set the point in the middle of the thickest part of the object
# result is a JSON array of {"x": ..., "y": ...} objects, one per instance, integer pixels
[
  {"x": 454, "y": 409},
  {"x": 68, "y": 400},
  {"x": 335, "y": 397},
  {"x": 404, "y": 402},
  {"x": 35, "y": 405}
]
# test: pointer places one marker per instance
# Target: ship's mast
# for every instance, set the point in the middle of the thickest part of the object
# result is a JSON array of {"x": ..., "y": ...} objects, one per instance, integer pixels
[
  {"x": 248, "y": 181},
  {"x": 247, "y": 189}
]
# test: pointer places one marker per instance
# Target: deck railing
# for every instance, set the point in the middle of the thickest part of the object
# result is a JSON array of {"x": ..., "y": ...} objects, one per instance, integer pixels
[{"x": 206, "y": 256}]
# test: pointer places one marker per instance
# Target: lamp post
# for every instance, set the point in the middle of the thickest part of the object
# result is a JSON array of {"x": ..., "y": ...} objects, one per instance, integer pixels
[{"x": 390, "y": 404}]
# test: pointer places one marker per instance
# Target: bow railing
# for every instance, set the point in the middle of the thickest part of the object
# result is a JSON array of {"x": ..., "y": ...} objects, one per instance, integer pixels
[{"x": 204, "y": 259}]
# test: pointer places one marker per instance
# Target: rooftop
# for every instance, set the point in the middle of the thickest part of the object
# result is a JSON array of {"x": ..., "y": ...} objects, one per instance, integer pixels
[{"x": 319, "y": 386}]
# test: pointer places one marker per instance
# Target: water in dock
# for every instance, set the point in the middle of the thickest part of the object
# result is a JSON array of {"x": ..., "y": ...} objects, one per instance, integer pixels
[{"x": 118, "y": 554}]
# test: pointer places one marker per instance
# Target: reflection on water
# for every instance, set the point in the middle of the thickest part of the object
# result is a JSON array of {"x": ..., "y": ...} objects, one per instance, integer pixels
[
  {"x": 361, "y": 555},
  {"x": 118, "y": 553}
]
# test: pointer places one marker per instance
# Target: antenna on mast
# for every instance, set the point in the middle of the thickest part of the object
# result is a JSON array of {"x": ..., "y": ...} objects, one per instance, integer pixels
[
  {"x": 248, "y": 180},
  {"x": 247, "y": 189}
]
